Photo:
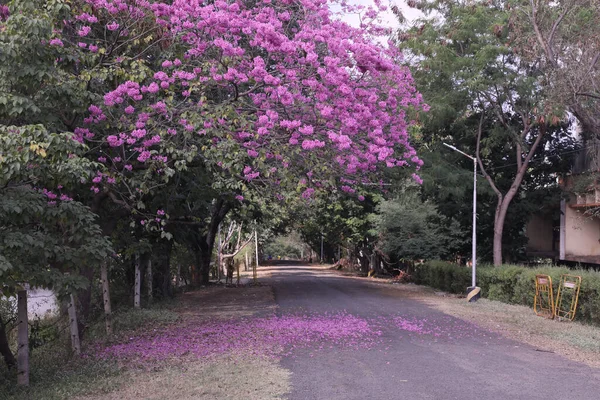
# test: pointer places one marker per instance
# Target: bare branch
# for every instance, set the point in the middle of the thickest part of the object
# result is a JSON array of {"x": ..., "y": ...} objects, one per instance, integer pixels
[
  {"x": 240, "y": 248},
  {"x": 592, "y": 95},
  {"x": 539, "y": 36},
  {"x": 555, "y": 26}
]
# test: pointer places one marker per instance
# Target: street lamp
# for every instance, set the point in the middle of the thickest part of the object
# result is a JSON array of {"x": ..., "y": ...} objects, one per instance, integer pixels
[{"x": 473, "y": 292}]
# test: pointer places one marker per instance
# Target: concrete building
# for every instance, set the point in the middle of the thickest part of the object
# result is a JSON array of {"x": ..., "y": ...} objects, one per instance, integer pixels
[{"x": 572, "y": 232}]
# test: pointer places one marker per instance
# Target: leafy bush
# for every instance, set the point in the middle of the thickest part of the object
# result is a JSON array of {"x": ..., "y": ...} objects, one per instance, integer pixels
[
  {"x": 510, "y": 283},
  {"x": 411, "y": 229}
]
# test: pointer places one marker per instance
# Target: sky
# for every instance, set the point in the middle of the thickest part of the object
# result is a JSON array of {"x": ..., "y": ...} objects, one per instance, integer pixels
[{"x": 389, "y": 20}]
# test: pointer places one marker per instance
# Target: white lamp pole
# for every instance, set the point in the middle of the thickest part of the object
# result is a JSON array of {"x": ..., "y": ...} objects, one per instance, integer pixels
[{"x": 473, "y": 291}]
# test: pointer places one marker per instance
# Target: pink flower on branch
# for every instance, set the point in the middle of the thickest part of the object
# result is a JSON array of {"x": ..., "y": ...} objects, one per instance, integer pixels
[{"x": 322, "y": 95}]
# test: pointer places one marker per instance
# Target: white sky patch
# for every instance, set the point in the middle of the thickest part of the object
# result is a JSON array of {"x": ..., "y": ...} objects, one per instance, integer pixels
[{"x": 388, "y": 19}]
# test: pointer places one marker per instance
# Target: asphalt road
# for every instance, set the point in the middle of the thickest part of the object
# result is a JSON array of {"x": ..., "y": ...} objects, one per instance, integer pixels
[{"x": 463, "y": 362}]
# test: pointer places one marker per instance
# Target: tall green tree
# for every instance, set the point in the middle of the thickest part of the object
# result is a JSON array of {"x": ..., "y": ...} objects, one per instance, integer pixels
[{"x": 478, "y": 88}]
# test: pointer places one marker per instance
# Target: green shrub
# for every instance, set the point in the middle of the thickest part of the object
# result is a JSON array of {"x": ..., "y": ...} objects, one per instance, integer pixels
[{"x": 510, "y": 283}]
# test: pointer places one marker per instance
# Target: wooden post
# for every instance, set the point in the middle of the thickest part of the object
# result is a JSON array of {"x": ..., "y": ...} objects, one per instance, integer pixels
[
  {"x": 246, "y": 263},
  {"x": 75, "y": 344},
  {"x": 106, "y": 298},
  {"x": 22, "y": 339},
  {"x": 138, "y": 283},
  {"x": 149, "y": 278}
]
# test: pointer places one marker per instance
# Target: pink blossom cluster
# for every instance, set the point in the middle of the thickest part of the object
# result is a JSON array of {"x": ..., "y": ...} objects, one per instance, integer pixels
[
  {"x": 54, "y": 197},
  {"x": 4, "y": 12},
  {"x": 314, "y": 89}
]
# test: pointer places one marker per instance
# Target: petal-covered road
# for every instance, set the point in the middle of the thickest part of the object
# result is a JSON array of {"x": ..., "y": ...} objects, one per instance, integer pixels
[{"x": 406, "y": 350}]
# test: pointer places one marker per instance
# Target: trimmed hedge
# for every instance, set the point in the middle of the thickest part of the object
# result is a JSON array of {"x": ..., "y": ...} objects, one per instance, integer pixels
[{"x": 513, "y": 284}]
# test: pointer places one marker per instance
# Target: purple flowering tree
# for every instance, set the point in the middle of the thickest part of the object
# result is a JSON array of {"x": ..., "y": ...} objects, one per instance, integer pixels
[
  {"x": 277, "y": 94},
  {"x": 260, "y": 100}
]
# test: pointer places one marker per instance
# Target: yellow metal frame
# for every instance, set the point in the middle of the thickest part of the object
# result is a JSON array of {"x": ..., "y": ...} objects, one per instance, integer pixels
[
  {"x": 543, "y": 305},
  {"x": 572, "y": 284}
]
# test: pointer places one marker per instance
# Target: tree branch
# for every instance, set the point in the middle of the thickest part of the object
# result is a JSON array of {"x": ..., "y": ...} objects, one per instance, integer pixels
[
  {"x": 477, "y": 155},
  {"x": 555, "y": 26},
  {"x": 592, "y": 95},
  {"x": 539, "y": 36}
]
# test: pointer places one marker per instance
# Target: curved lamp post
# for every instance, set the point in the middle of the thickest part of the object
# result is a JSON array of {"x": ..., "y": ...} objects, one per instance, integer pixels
[{"x": 473, "y": 292}]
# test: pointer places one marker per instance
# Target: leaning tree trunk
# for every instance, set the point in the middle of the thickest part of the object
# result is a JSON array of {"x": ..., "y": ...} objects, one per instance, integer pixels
[
  {"x": 22, "y": 339},
  {"x": 522, "y": 166},
  {"x": 500, "y": 218},
  {"x": 106, "y": 298},
  {"x": 9, "y": 357}
]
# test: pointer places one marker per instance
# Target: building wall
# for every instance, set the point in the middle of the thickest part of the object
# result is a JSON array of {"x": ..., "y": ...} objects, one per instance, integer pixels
[
  {"x": 582, "y": 235},
  {"x": 539, "y": 232},
  {"x": 41, "y": 303}
]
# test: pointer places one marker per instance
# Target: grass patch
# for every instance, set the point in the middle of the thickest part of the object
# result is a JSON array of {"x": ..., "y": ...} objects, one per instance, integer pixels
[
  {"x": 130, "y": 320},
  {"x": 224, "y": 378},
  {"x": 56, "y": 374}
]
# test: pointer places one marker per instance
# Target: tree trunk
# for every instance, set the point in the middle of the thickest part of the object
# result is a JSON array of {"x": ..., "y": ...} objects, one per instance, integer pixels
[
  {"x": 9, "y": 357},
  {"x": 166, "y": 281},
  {"x": 505, "y": 200},
  {"x": 22, "y": 339},
  {"x": 500, "y": 217},
  {"x": 246, "y": 261},
  {"x": 138, "y": 283},
  {"x": 204, "y": 267},
  {"x": 84, "y": 298},
  {"x": 74, "y": 328},
  {"x": 106, "y": 298},
  {"x": 149, "y": 278},
  {"x": 178, "y": 276}
]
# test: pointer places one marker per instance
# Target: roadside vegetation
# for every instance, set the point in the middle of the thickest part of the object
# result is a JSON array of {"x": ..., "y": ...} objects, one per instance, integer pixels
[{"x": 512, "y": 284}]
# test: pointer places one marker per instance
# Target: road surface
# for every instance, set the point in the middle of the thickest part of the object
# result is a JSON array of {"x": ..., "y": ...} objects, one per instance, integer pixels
[{"x": 451, "y": 360}]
